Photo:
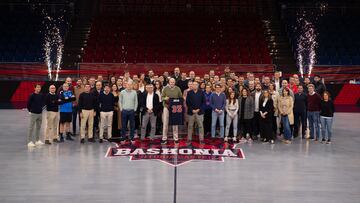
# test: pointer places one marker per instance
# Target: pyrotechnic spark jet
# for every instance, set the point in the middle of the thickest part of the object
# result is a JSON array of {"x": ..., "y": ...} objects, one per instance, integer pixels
[
  {"x": 47, "y": 50},
  {"x": 53, "y": 42},
  {"x": 306, "y": 44}
]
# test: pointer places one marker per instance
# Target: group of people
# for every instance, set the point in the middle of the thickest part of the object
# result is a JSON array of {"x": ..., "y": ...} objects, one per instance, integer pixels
[{"x": 237, "y": 108}]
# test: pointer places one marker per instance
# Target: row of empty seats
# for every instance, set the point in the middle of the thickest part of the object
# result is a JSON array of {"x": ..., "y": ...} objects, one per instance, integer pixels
[
  {"x": 22, "y": 35},
  {"x": 177, "y": 39}
]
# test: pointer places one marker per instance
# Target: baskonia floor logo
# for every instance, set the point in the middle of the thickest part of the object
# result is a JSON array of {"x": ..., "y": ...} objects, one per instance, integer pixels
[{"x": 175, "y": 155}]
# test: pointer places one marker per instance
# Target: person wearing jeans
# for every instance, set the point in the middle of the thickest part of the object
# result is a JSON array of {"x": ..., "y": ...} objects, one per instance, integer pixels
[
  {"x": 285, "y": 106},
  {"x": 326, "y": 117},
  {"x": 232, "y": 107},
  {"x": 217, "y": 102},
  {"x": 128, "y": 103},
  {"x": 106, "y": 104},
  {"x": 314, "y": 106}
]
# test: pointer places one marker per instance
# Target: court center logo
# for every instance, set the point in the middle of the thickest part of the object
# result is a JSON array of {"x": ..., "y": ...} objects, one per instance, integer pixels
[{"x": 175, "y": 155}]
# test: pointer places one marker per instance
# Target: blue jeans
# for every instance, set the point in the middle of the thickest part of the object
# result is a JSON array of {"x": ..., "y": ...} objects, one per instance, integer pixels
[
  {"x": 286, "y": 125},
  {"x": 214, "y": 117},
  {"x": 314, "y": 123},
  {"x": 326, "y": 125},
  {"x": 126, "y": 116}
]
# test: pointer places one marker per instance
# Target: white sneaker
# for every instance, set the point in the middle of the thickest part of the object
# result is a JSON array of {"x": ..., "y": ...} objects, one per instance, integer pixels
[
  {"x": 39, "y": 143},
  {"x": 31, "y": 144},
  {"x": 225, "y": 139},
  {"x": 234, "y": 139}
]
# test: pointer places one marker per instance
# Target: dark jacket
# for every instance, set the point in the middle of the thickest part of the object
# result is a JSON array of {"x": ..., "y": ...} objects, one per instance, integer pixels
[
  {"x": 87, "y": 101},
  {"x": 300, "y": 103},
  {"x": 313, "y": 102},
  {"x": 96, "y": 96},
  {"x": 52, "y": 102},
  {"x": 35, "y": 103},
  {"x": 269, "y": 107},
  {"x": 106, "y": 102},
  {"x": 182, "y": 84},
  {"x": 327, "y": 108},
  {"x": 156, "y": 103},
  {"x": 319, "y": 87},
  {"x": 195, "y": 101}
]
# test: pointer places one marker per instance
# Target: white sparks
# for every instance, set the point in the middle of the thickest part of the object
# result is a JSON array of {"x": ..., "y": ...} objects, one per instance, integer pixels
[
  {"x": 306, "y": 45},
  {"x": 52, "y": 43},
  {"x": 47, "y": 50}
]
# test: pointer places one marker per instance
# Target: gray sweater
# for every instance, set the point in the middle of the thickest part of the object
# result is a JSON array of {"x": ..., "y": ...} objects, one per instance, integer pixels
[
  {"x": 128, "y": 100},
  {"x": 248, "y": 108}
]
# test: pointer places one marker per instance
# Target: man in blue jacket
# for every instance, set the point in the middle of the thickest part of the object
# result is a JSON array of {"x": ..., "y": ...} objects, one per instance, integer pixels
[{"x": 67, "y": 97}]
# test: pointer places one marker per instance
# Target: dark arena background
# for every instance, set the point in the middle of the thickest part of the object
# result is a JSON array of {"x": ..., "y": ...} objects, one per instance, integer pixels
[{"x": 234, "y": 43}]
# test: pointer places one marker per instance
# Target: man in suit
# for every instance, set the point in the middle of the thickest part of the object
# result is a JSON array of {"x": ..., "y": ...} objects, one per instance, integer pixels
[
  {"x": 177, "y": 74},
  {"x": 149, "y": 105},
  {"x": 96, "y": 92},
  {"x": 256, "y": 120}
]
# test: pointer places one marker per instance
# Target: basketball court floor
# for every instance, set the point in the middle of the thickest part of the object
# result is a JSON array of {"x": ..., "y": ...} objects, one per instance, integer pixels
[{"x": 70, "y": 172}]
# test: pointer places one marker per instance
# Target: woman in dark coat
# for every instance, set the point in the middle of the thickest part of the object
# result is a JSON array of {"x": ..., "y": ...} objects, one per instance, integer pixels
[{"x": 266, "y": 107}]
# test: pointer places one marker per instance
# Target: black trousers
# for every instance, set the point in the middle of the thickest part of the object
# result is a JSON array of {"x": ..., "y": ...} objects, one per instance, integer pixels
[
  {"x": 207, "y": 121},
  {"x": 300, "y": 118},
  {"x": 256, "y": 124},
  {"x": 274, "y": 124},
  {"x": 245, "y": 127},
  {"x": 266, "y": 131},
  {"x": 159, "y": 122},
  {"x": 96, "y": 123}
]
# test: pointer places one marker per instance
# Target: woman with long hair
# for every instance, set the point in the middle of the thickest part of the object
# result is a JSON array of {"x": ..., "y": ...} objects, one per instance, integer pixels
[
  {"x": 246, "y": 114},
  {"x": 232, "y": 107},
  {"x": 116, "y": 125},
  {"x": 266, "y": 108},
  {"x": 285, "y": 106},
  {"x": 158, "y": 91},
  {"x": 142, "y": 83},
  {"x": 112, "y": 80},
  {"x": 326, "y": 117}
]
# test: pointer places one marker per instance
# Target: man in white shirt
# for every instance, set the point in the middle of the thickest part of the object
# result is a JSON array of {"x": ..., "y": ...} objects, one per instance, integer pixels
[
  {"x": 277, "y": 80},
  {"x": 150, "y": 105}
]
